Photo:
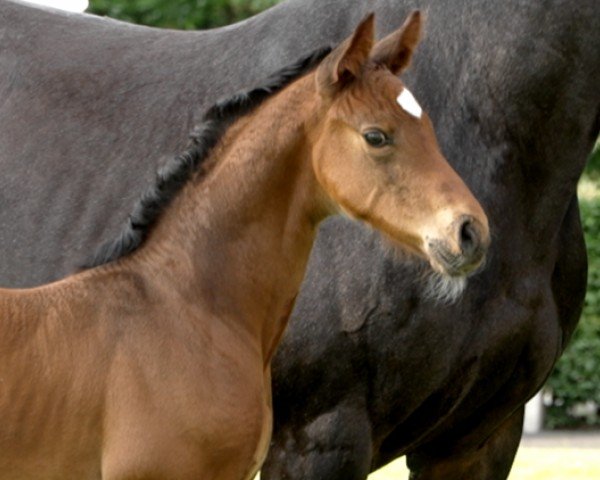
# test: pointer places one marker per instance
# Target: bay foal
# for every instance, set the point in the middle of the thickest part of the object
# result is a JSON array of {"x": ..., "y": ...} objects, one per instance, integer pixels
[{"x": 155, "y": 363}]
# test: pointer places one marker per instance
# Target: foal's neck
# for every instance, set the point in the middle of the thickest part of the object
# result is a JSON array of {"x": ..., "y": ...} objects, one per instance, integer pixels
[{"x": 238, "y": 240}]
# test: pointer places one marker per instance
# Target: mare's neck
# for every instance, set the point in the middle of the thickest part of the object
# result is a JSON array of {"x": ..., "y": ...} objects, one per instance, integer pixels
[{"x": 237, "y": 242}]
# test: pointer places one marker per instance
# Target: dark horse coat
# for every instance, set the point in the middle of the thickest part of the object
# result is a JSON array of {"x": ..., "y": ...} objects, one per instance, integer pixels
[{"x": 370, "y": 369}]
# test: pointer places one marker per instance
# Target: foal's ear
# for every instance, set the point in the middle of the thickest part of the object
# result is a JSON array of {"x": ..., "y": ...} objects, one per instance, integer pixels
[
  {"x": 344, "y": 64},
  {"x": 395, "y": 51}
]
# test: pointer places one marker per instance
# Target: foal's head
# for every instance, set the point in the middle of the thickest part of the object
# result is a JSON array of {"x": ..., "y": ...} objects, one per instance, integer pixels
[{"x": 377, "y": 156}]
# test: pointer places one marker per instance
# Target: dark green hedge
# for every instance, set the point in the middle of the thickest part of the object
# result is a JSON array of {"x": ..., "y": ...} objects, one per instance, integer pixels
[{"x": 180, "y": 14}]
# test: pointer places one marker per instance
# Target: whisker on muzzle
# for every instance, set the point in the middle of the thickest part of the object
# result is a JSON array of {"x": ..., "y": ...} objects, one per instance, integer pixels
[{"x": 442, "y": 289}]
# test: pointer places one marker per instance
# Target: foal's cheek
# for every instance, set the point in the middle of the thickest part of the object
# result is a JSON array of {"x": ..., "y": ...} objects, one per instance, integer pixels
[{"x": 330, "y": 157}]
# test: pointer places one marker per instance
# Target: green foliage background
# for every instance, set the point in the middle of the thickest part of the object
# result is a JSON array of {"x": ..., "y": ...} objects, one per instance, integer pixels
[
  {"x": 180, "y": 14},
  {"x": 576, "y": 378}
]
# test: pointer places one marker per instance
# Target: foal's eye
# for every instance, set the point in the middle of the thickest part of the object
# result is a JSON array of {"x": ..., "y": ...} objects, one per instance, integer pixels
[{"x": 376, "y": 138}]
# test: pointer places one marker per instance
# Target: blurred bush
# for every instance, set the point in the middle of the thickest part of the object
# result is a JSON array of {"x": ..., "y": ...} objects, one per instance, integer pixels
[{"x": 179, "y": 14}]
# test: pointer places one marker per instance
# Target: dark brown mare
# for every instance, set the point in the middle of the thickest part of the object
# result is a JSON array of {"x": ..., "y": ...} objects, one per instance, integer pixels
[
  {"x": 91, "y": 107},
  {"x": 156, "y": 364}
]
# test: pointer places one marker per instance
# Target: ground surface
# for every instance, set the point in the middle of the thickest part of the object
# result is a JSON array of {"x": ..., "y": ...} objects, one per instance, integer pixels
[{"x": 547, "y": 456}]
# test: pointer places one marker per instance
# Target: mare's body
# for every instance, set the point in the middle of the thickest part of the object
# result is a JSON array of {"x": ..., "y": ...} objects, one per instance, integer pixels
[
  {"x": 155, "y": 363},
  {"x": 393, "y": 374},
  {"x": 512, "y": 90}
]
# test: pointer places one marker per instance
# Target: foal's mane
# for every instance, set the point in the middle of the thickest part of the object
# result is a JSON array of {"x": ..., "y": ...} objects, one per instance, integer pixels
[{"x": 179, "y": 170}]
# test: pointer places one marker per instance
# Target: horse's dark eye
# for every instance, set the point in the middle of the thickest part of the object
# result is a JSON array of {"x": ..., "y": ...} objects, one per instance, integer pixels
[{"x": 376, "y": 138}]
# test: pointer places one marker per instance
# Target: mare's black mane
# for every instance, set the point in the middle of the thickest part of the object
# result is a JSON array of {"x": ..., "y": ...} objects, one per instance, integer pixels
[{"x": 171, "y": 178}]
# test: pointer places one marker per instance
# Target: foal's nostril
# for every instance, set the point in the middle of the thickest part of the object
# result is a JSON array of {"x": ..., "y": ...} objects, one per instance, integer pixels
[
  {"x": 465, "y": 251},
  {"x": 468, "y": 238}
]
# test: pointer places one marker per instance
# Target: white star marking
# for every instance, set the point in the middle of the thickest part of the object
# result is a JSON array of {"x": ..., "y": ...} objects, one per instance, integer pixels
[{"x": 408, "y": 102}]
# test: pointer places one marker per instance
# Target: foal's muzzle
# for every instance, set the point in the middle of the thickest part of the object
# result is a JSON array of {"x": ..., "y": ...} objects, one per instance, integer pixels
[{"x": 463, "y": 252}]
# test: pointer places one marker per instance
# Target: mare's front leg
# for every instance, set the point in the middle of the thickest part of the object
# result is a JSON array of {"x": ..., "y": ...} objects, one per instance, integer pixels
[
  {"x": 492, "y": 461},
  {"x": 333, "y": 446}
]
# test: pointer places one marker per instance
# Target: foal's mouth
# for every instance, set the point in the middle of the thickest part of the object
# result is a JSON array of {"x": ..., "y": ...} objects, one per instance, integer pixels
[{"x": 453, "y": 264}]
